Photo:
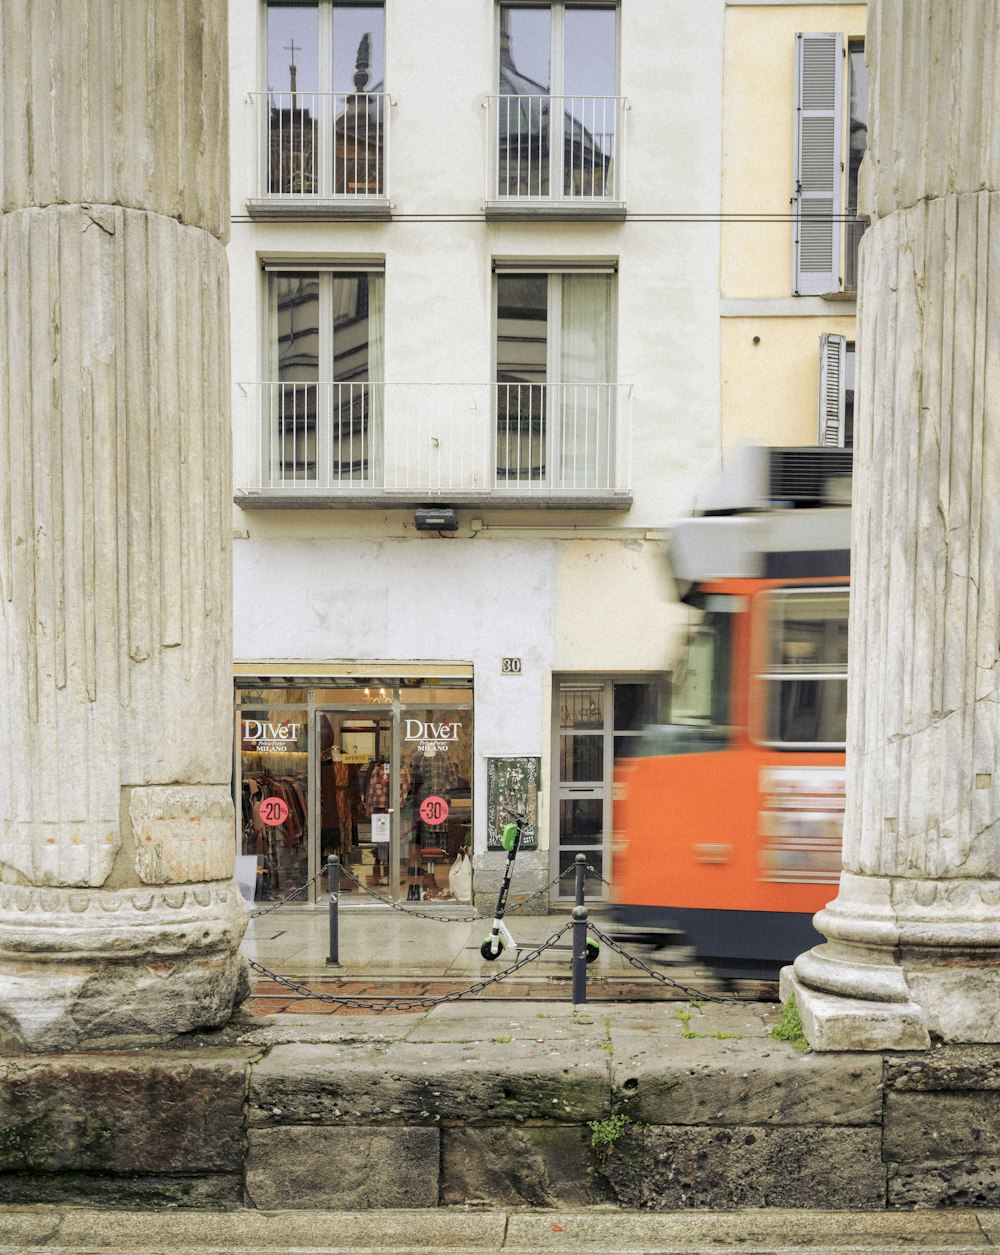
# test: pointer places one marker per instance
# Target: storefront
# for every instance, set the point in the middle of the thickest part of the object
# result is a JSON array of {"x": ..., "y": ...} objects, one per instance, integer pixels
[{"x": 375, "y": 769}]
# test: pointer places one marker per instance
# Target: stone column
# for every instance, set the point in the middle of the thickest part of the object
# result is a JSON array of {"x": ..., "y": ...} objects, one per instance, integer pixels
[
  {"x": 119, "y": 919},
  {"x": 913, "y": 950}
]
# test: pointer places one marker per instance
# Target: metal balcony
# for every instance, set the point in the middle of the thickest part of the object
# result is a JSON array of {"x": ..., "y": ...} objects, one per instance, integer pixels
[
  {"x": 507, "y": 444},
  {"x": 556, "y": 155},
  {"x": 317, "y": 153}
]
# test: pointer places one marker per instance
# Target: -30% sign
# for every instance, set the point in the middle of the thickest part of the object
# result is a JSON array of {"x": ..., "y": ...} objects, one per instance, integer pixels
[{"x": 433, "y": 810}]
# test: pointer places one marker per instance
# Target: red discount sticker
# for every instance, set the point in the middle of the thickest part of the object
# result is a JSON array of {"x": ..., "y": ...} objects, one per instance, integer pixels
[
  {"x": 433, "y": 810},
  {"x": 274, "y": 811}
]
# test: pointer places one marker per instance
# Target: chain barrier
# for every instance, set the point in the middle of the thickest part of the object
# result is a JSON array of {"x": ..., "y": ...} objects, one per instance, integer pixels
[
  {"x": 688, "y": 990},
  {"x": 276, "y": 906},
  {"x": 393, "y": 1002},
  {"x": 388, "y": 1000}
]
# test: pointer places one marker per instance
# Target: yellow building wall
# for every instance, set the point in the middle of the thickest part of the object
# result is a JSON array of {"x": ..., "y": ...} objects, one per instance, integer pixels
[
  {"x": 757, "y": 147},
  {"x": 770, "y": 390}
]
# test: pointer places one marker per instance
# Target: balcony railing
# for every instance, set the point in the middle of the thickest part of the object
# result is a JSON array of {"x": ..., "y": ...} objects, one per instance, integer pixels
[
  {"x": 315, "y": 146},
  {"x": 513, "y": 442},
  {"x": 556, "y": 150}
]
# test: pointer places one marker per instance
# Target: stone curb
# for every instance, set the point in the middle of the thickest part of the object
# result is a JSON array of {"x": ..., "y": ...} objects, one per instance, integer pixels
[{"x": 517, "y": 1233}]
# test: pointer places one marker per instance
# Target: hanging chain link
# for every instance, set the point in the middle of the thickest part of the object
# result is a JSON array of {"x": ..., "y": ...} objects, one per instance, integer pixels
[
  {"x": 688, "y": 990},
  {"x": 391, "y": 1002}
]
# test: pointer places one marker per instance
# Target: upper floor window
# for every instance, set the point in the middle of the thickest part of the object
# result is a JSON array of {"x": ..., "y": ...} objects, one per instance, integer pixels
[
  {"x": 831, "y": 108},
  {"x": 556, "y": 399},
  {"x": 836, "y": 391},
  {"x": 321, "y": 116},
  {"x": 322, "y": 393},
  {"x": 556, "y": 119}
]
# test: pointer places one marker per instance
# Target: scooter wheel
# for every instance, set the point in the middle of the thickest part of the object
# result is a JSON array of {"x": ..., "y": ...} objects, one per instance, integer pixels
[
  {"x": 593, "y": 950},
  {"x": 486, "y": 949}
]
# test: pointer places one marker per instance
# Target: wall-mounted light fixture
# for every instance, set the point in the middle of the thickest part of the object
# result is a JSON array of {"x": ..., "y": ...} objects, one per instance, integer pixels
[{"x": 431, "y": 519}]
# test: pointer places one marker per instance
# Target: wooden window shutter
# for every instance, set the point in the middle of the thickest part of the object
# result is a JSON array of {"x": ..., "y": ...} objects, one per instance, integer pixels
[
  {"x": 816, "y": 197},
  {"x": 832, "y": 369}
]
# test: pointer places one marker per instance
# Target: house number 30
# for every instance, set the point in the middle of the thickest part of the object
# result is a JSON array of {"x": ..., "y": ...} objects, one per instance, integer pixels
[{"x": 510, "y": 666}]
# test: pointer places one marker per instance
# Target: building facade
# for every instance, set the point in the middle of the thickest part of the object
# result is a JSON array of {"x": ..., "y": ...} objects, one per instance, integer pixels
[{"x": 472, "y": 393}]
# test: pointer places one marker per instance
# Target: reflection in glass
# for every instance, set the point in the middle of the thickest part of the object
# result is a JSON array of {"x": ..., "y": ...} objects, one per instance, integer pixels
[
  {"x": 436, "y": 795},
  {"x": 581, "y": 821},
  {"x": 581, "y": 758},
  {"x": 326, "y": 119},
  {"x": 522, "y": 351},
  {"x": 539, "y": 98}
]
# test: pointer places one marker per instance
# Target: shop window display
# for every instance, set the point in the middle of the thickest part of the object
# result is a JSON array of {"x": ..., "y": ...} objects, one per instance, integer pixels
[{"x": 376, "y": 772}]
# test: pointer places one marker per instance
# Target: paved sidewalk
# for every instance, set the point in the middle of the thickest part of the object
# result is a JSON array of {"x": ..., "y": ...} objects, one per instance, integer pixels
[{"x": 460, "y": 1232}]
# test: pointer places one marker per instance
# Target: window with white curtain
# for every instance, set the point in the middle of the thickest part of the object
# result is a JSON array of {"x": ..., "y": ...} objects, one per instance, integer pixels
[
  {"x": 555, "y": 370},
  {"x": 325, "y": 373}
]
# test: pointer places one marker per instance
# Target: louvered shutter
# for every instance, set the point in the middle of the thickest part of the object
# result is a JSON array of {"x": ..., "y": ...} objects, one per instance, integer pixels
[
  {"x": 832, "y": 369},
  {"x": 816, "y": 194}
]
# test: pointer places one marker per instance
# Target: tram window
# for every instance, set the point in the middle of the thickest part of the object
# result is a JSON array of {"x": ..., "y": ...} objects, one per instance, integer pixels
[
  {"x": 700, "y": 693},
  {"x": 806, "y": 668}
]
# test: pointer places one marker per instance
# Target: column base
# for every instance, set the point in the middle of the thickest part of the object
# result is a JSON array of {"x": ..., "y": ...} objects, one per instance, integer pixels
[
  {"x": 835, "y": 1022},
  {"x": 92, "y": 969}
]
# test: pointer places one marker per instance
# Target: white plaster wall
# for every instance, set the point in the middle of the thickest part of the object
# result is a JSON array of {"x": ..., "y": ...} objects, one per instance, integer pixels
[{"x": 579, "y": 591}]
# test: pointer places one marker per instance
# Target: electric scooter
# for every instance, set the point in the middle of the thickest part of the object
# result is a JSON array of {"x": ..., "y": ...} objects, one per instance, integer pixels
[{"x": 500, "y": 935}]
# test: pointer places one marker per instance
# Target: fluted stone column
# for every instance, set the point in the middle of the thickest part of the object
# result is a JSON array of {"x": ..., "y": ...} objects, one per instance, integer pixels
[
  {"x": 119, "y": 918},
  {"x": 913, "y": 950}
]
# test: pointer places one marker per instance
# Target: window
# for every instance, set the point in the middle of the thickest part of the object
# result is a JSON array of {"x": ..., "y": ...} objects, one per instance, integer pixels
[
  {"x": 806, "y": 668},
  {"x": 825, "y": 193},
  {"x": 555, "y": 364},
  {"x": 322, "y": 115},
  {"x": 556, "y": 119},
  {"x": 323, "y": 391},
  {"x": 599, "y": 720},
  {"x": 836, "y": 391}
]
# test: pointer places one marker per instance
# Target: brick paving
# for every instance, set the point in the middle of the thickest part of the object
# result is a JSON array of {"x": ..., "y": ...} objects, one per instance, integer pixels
[{"x": 269, "y": 997}]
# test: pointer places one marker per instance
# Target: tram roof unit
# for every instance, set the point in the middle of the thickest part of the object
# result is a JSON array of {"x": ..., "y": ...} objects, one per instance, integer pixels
[{"x": 775, "y": 513}]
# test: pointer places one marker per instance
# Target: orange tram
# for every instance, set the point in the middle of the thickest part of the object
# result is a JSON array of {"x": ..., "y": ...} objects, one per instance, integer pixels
[{"x": 729, "y": 817}]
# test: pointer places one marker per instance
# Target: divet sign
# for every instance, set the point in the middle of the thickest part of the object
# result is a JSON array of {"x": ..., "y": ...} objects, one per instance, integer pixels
[
  {"x": 270, "y": 738},
  {"x": 431, "y": 736}
]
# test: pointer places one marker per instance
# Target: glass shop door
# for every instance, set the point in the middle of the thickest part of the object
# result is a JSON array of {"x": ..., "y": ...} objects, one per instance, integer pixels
[{"x": 356, "y": 799}]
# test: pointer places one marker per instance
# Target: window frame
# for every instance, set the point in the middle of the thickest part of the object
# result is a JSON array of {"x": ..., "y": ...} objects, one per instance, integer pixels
[
  {"x": 326, "y": 271},
  {"x": 555, "y": 272},
  {"x": 767, "y": 674}
]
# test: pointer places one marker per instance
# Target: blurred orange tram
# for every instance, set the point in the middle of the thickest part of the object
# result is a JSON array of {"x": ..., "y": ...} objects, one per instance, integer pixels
[{"x": 729, "y": 816}]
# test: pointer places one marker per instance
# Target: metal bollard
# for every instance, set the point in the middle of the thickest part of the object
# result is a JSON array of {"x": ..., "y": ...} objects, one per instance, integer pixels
[
  {"x": 580, "y": 934},
  {"x": 333, "y": 882}
]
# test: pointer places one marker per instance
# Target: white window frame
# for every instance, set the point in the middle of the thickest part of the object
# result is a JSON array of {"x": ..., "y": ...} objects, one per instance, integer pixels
[
  {"x": 555, "y": 272},
  {"x": 326, "y": 354}
]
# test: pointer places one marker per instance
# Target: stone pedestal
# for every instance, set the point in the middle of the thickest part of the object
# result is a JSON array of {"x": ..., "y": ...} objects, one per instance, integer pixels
[
  {"x": 119, "y": 918},
  {"x": 913, "y": 950}
]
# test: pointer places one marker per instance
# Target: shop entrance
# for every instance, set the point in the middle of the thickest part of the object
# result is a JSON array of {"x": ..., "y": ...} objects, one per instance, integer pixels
[{"x": 375, "y": 771}]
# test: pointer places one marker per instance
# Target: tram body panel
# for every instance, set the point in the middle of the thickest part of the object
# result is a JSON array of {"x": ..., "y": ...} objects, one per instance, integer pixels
[{"x": 737, "y": 845}]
